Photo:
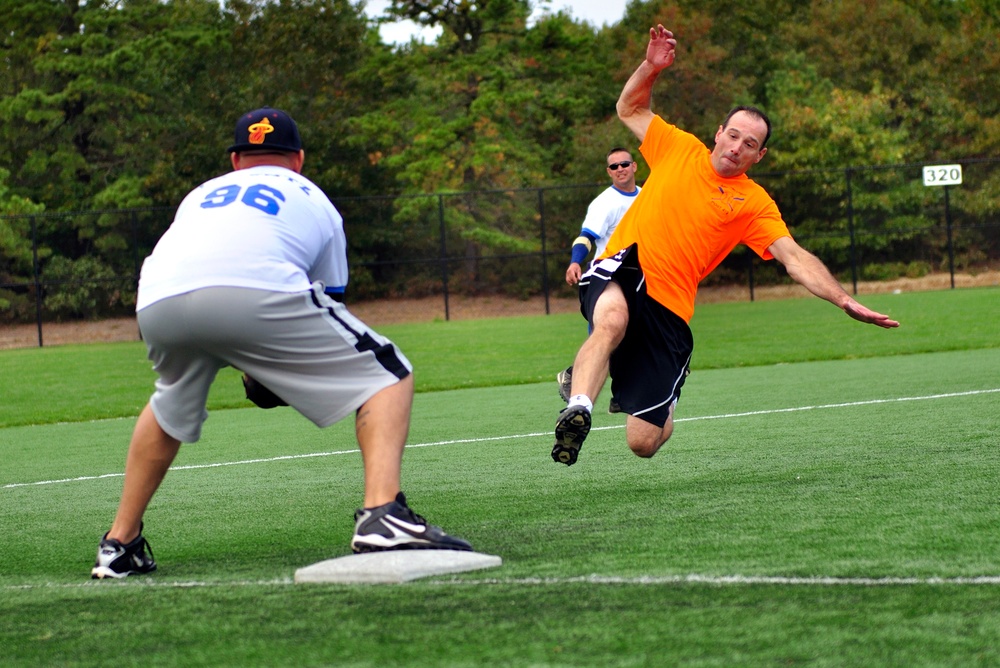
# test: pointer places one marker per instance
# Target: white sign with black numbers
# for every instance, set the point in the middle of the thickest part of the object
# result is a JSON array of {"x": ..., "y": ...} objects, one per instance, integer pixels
[{"x": 942, "y": 175}]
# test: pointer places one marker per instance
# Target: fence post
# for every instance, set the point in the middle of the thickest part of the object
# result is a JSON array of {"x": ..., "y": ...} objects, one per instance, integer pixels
[
  {"x": 951, "y": 246},
  {"x": 135, "y": 250},
  {"x": 750, "y": 270},
  {"x": 37, "y": 278},
  {"x": 444, "y": 256},
  {"x": 545, "y": 259},
  {"x": 850, "y": 227}
]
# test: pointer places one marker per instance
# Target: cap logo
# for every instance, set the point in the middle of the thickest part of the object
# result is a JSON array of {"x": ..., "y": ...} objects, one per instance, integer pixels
[{"x": 260, "y": 130}]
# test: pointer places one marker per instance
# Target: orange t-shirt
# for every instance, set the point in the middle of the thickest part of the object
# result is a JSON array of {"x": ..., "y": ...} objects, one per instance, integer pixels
[{"x": 687, "y": 218}]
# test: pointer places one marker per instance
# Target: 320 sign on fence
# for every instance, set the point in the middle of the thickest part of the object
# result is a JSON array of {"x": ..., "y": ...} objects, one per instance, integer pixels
[{"x": 942, "y": 175}]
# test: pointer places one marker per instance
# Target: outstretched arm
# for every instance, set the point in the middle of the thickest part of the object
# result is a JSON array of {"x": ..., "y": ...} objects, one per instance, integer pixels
[
  {"x": 634, "y": 101},
  {"x": 807, "y": 269}
]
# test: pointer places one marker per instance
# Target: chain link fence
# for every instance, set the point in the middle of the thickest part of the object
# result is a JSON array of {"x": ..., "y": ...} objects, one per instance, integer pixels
[{"x": 875, "y": 227}]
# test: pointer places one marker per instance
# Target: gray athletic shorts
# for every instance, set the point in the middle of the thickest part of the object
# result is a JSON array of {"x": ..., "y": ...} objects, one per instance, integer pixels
[{"x": 303, "y": 346}]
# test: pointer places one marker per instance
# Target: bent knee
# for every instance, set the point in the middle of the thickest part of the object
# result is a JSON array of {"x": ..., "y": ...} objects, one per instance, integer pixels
[
  {"x": 647, "y": 442},
  {"x": 647, "y": 447}
]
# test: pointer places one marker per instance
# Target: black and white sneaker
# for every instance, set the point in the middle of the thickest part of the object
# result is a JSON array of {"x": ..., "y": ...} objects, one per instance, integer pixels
[
  {"x": 393, "y": 526},
  {"x": 565, "y": 380},
  {"x": 115, "y": 560},
  {"x": 572, "y": 428}
]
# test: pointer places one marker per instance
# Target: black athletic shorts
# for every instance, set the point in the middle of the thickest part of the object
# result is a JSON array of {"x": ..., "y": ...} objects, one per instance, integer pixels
[{"x": 649, "y": 366}]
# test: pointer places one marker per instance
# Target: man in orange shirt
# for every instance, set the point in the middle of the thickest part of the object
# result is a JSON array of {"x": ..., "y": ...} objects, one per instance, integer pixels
[{"x": 693, "y": 210}]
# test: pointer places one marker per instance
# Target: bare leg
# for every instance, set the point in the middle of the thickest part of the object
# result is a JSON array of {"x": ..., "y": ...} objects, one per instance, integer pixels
[
  {"x": 150, "y": 454},
  {"x": 645, "y": 438},
  {"x": 590, "y": 368},
  {"x": 382, "y": 425}
]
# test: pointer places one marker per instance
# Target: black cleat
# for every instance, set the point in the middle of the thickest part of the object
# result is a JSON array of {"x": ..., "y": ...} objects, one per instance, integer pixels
[
  {"x": 572, "y": 428},
  {"x": 613, "y": 406},
  {"x": 393, "y": 526},
  {"x": 115, "y": 560}
]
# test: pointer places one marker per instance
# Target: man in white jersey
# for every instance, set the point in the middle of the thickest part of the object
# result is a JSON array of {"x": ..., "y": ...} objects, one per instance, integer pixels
[
  {"x": 245, "y": 277},
  {"x": 602, "y": 218}
]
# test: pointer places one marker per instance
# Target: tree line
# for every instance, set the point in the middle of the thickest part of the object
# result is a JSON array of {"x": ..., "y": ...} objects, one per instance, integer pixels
[{"x": 127, "y": 104}]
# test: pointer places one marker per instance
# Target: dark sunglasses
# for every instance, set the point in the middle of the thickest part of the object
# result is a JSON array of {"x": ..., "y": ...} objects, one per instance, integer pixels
[{"x": 623, "y": 163}]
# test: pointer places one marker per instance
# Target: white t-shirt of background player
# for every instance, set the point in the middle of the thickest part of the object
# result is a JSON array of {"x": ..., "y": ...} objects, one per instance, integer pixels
[
  {"x": 604, "y": 213},
  {"x": 265, "y": 227}
]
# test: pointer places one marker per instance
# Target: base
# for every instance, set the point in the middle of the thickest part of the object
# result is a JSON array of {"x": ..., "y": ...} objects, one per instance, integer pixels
[{"x": 394, "y": 566}]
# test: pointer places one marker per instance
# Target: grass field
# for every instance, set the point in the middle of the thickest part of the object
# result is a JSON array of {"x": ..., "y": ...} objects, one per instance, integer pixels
[{"x": 828, "y": 499}]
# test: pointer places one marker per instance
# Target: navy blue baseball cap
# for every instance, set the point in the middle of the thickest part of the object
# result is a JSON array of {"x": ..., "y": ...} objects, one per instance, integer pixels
[{"x": 266, "y": 129}]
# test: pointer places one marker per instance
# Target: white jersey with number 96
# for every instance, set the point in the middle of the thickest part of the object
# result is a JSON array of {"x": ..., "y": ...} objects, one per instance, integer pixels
[{"x": 266, "y": 227}]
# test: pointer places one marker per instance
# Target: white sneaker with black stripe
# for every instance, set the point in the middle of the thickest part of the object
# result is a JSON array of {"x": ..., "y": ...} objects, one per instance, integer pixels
[{"x": 393, "y": 526}]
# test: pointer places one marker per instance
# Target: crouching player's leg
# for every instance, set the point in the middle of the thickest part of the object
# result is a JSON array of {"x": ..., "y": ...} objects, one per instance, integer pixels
[
  {"x": 123, "y": 550},
  {"x": 387, "y": 522},
  {"x": 352, "y": 368},
  {"x": 357, "y": 369}
]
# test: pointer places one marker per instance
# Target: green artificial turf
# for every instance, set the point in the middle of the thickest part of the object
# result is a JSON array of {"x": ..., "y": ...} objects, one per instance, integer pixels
[{"x": 833, "y": 512}]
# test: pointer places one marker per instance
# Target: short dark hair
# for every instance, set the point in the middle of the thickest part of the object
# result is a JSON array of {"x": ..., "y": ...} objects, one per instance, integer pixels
[
  {"x": 756, "y": 113},
  {"x": 617, "y": 149}
]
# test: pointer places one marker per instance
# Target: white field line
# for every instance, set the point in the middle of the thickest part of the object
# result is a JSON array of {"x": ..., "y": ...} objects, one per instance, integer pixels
[
  {"x": 640, "y": 580},
  {"x": 694, "y": 578},
  {"x": 724, "y": 416}
]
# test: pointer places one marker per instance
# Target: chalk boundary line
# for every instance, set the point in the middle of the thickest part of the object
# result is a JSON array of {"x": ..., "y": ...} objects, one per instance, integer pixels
[
  {"x": 608, "y": 580},
  {"x": 723, "y": 416}
]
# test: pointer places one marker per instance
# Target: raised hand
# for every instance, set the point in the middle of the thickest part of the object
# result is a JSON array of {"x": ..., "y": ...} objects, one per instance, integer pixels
[{"x": 661, "y": 49}]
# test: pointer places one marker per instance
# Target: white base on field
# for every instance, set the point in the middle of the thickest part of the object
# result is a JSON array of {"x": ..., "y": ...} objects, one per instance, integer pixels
[{"x": 394, "y": 566}]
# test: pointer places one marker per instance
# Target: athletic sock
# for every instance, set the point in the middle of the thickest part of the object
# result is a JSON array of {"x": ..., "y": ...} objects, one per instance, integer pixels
[{"x": 581, "y": 400}]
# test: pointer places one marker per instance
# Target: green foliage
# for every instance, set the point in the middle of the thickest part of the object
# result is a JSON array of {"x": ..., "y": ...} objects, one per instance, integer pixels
[
  {"x": 84, "y": 288},
  {"x": 115, "y": 105},
  {"x": 857, "y": 129},
  {"x": 15, "y": 232},
  {"x": 115, "y": 116},
  {"x": 488, "y": 108},
  {"x": 17, "y": 255},
  {"x": 888, "y": 271}
]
